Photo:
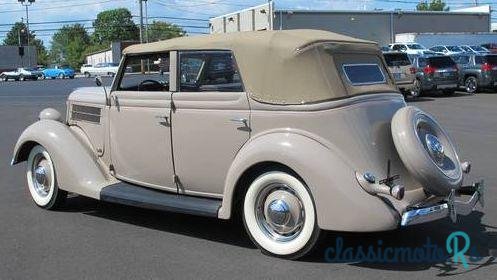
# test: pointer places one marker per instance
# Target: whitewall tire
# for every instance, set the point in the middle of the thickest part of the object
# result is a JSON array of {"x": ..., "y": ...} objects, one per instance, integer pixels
[
  {"x": 42, "y": 181},
  {"x": 279, "y": 215}
]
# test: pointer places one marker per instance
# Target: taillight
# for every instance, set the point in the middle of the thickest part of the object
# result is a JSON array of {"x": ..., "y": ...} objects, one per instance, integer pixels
[
  {"x": 428, "y": 70},
  {"x": 412, "y": 70},
  {"x": 486, "y": 67}
]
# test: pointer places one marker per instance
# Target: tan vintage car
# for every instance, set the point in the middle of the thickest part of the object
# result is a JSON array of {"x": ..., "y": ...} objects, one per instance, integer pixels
[{"x": 297, "y": 131}]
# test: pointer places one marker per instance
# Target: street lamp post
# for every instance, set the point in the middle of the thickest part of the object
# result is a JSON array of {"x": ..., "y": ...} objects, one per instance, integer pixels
[{"x": 27, "y": 3}]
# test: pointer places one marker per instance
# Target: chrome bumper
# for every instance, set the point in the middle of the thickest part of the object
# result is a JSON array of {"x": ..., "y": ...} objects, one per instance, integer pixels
[{"x": 452, "y": 206}]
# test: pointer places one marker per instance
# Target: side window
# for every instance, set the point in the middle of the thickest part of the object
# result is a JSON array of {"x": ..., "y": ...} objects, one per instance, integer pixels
[
  {"x": 146, "y": 73},
  {"x": 209, "y": 71}
]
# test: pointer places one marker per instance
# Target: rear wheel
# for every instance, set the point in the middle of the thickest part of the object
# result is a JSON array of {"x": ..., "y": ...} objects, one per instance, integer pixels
[
  {"x": 42, "y": 76},
  {"x": 42, "y": 181},
  {"x": 279, "y": 215},
  {"x": 22, "y": 78},
  {"x": 471, "y": 84},
  {"x": 416, "y": 89},
  {"x": 61, "y": 76},
  {"x": 87, "y": 75}
]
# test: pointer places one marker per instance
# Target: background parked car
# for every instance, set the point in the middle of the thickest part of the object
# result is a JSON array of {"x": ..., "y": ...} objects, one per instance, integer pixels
[
  {"x": 410, "y": 48},
  {"x": 474, "y": 49},
  {"x": 85, "y": 68},
  {"x": 491, "y": 47},
  {"x": 106, "y": 68},
  {"x": 445, "y": 49},
  {"x": 57, "y": 71},
  {"x": 20, "y": 74},
  {"x": 438, "y": 72},
  {"x": 478, "y": 71},
  {"x": 403, "y": 72}
]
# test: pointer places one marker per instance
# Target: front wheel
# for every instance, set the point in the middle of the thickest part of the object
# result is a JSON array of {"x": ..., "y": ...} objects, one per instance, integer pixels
[
  {"x": 61, "y": 76},
  {"x": 21, "y": 78},
  {"x": 42, "y": 76},
  {"x": 279, "y": 215},
  {"x": 42, "y": 181}
]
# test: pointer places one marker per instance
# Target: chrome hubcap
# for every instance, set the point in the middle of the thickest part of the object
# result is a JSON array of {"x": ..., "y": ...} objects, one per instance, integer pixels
[
  {"x": 435, "y": 148},
  {"x": 42, "y": 175},
  {"x": 279, "y": 212}
]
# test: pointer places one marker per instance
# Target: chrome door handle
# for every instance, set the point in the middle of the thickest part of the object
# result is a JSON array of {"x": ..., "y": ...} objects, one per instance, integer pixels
[
  {"x": 240, "y": 120},
  {"x": 165, "y": 118}
]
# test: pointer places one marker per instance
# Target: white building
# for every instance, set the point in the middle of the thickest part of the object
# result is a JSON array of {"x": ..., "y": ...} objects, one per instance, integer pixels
[{"x": 112, "y": 54}]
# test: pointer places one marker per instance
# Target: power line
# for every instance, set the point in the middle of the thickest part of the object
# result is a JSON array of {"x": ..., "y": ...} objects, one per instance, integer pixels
[{"x": 62, "y": 6}]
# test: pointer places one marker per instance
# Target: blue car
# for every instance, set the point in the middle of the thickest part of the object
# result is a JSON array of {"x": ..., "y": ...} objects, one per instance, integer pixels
[{"x": 57, "y": 71}]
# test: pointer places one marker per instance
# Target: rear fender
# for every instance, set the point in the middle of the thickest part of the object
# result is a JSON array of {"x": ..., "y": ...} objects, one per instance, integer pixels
[
  {"x": 341, "y": 204},
  {"x": 77, "y": 167}
]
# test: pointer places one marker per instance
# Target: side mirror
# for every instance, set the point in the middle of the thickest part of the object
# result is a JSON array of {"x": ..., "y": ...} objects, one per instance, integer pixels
[{"x": 98, "y": 81}]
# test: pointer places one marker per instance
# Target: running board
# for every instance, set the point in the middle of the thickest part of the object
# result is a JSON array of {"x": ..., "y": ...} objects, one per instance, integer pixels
[{"x": 132, "y": 195}]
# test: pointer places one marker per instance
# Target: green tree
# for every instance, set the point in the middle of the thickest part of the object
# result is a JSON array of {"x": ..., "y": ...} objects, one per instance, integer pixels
[
  {"x": 69, "y": 44},
  {"x": 18, "y": 36},
  {"x": 115, "y": 25},
  {"x": 160, "y": 30},
  {"x": 433, "y": 5}
]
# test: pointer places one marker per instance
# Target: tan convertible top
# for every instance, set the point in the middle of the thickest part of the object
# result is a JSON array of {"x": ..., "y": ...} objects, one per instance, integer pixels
[{"x": 284, "y": 66}]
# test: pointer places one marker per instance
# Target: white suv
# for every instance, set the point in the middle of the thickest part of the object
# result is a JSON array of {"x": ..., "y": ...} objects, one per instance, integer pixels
[{"x": 409, "y": 48}]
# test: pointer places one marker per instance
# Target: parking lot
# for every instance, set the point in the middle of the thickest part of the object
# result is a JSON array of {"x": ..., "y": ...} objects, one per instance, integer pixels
[{"x": 88, "y": 239}]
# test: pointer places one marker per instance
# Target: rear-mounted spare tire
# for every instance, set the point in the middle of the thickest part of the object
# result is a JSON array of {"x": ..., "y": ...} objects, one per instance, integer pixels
[{"x": 426, "y": 150}]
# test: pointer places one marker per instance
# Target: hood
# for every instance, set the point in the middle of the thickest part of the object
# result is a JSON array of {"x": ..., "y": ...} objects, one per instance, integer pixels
[{"x": 89, "y": 95}]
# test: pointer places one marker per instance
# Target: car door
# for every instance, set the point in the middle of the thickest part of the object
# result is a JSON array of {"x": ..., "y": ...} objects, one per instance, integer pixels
[
  {"x": 140, "y": 128},
  {"x": 210, "y": 122}
]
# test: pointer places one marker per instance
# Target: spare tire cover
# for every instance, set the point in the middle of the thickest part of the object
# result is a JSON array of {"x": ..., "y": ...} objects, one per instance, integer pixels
[{"x": 426, "y": 150}]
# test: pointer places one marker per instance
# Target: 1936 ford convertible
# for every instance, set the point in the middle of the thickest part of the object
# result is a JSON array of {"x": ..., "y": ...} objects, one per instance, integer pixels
[{"x": 299, "y": 130}]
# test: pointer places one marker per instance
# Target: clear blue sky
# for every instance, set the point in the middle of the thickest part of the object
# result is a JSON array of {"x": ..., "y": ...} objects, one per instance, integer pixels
[{"x": 60, "y": 10}]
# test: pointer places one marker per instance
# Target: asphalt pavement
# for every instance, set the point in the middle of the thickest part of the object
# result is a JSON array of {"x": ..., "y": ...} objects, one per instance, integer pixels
[{"x": 88, "y": 239}]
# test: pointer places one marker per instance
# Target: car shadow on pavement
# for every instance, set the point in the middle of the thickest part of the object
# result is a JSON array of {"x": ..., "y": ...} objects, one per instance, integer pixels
[
  {"x": 482, "y": 253},
  {"x": 229, "y": 232},
  {"x": 483, "y": 237},
  {"x": 419, "y": 99}
]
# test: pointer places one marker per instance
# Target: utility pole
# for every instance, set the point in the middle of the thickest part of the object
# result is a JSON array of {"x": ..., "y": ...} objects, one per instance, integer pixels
[
  {"x": 141, "y": 21},
  {"x": 27, "y": 3},
  {"x": 146, "y": 21}
]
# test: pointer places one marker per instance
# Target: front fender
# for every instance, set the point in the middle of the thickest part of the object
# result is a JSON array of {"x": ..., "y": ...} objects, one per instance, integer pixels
[
  {"x": 77, "y": 169},
  {"x": 341, "y": 204}
]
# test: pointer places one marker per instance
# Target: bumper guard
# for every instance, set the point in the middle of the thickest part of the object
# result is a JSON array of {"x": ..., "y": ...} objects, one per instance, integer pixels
[{"x": 451, "y": 206}]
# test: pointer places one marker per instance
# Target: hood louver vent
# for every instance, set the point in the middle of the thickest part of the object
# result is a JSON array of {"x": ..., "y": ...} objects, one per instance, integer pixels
[{"x": 86, "y": 113}]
